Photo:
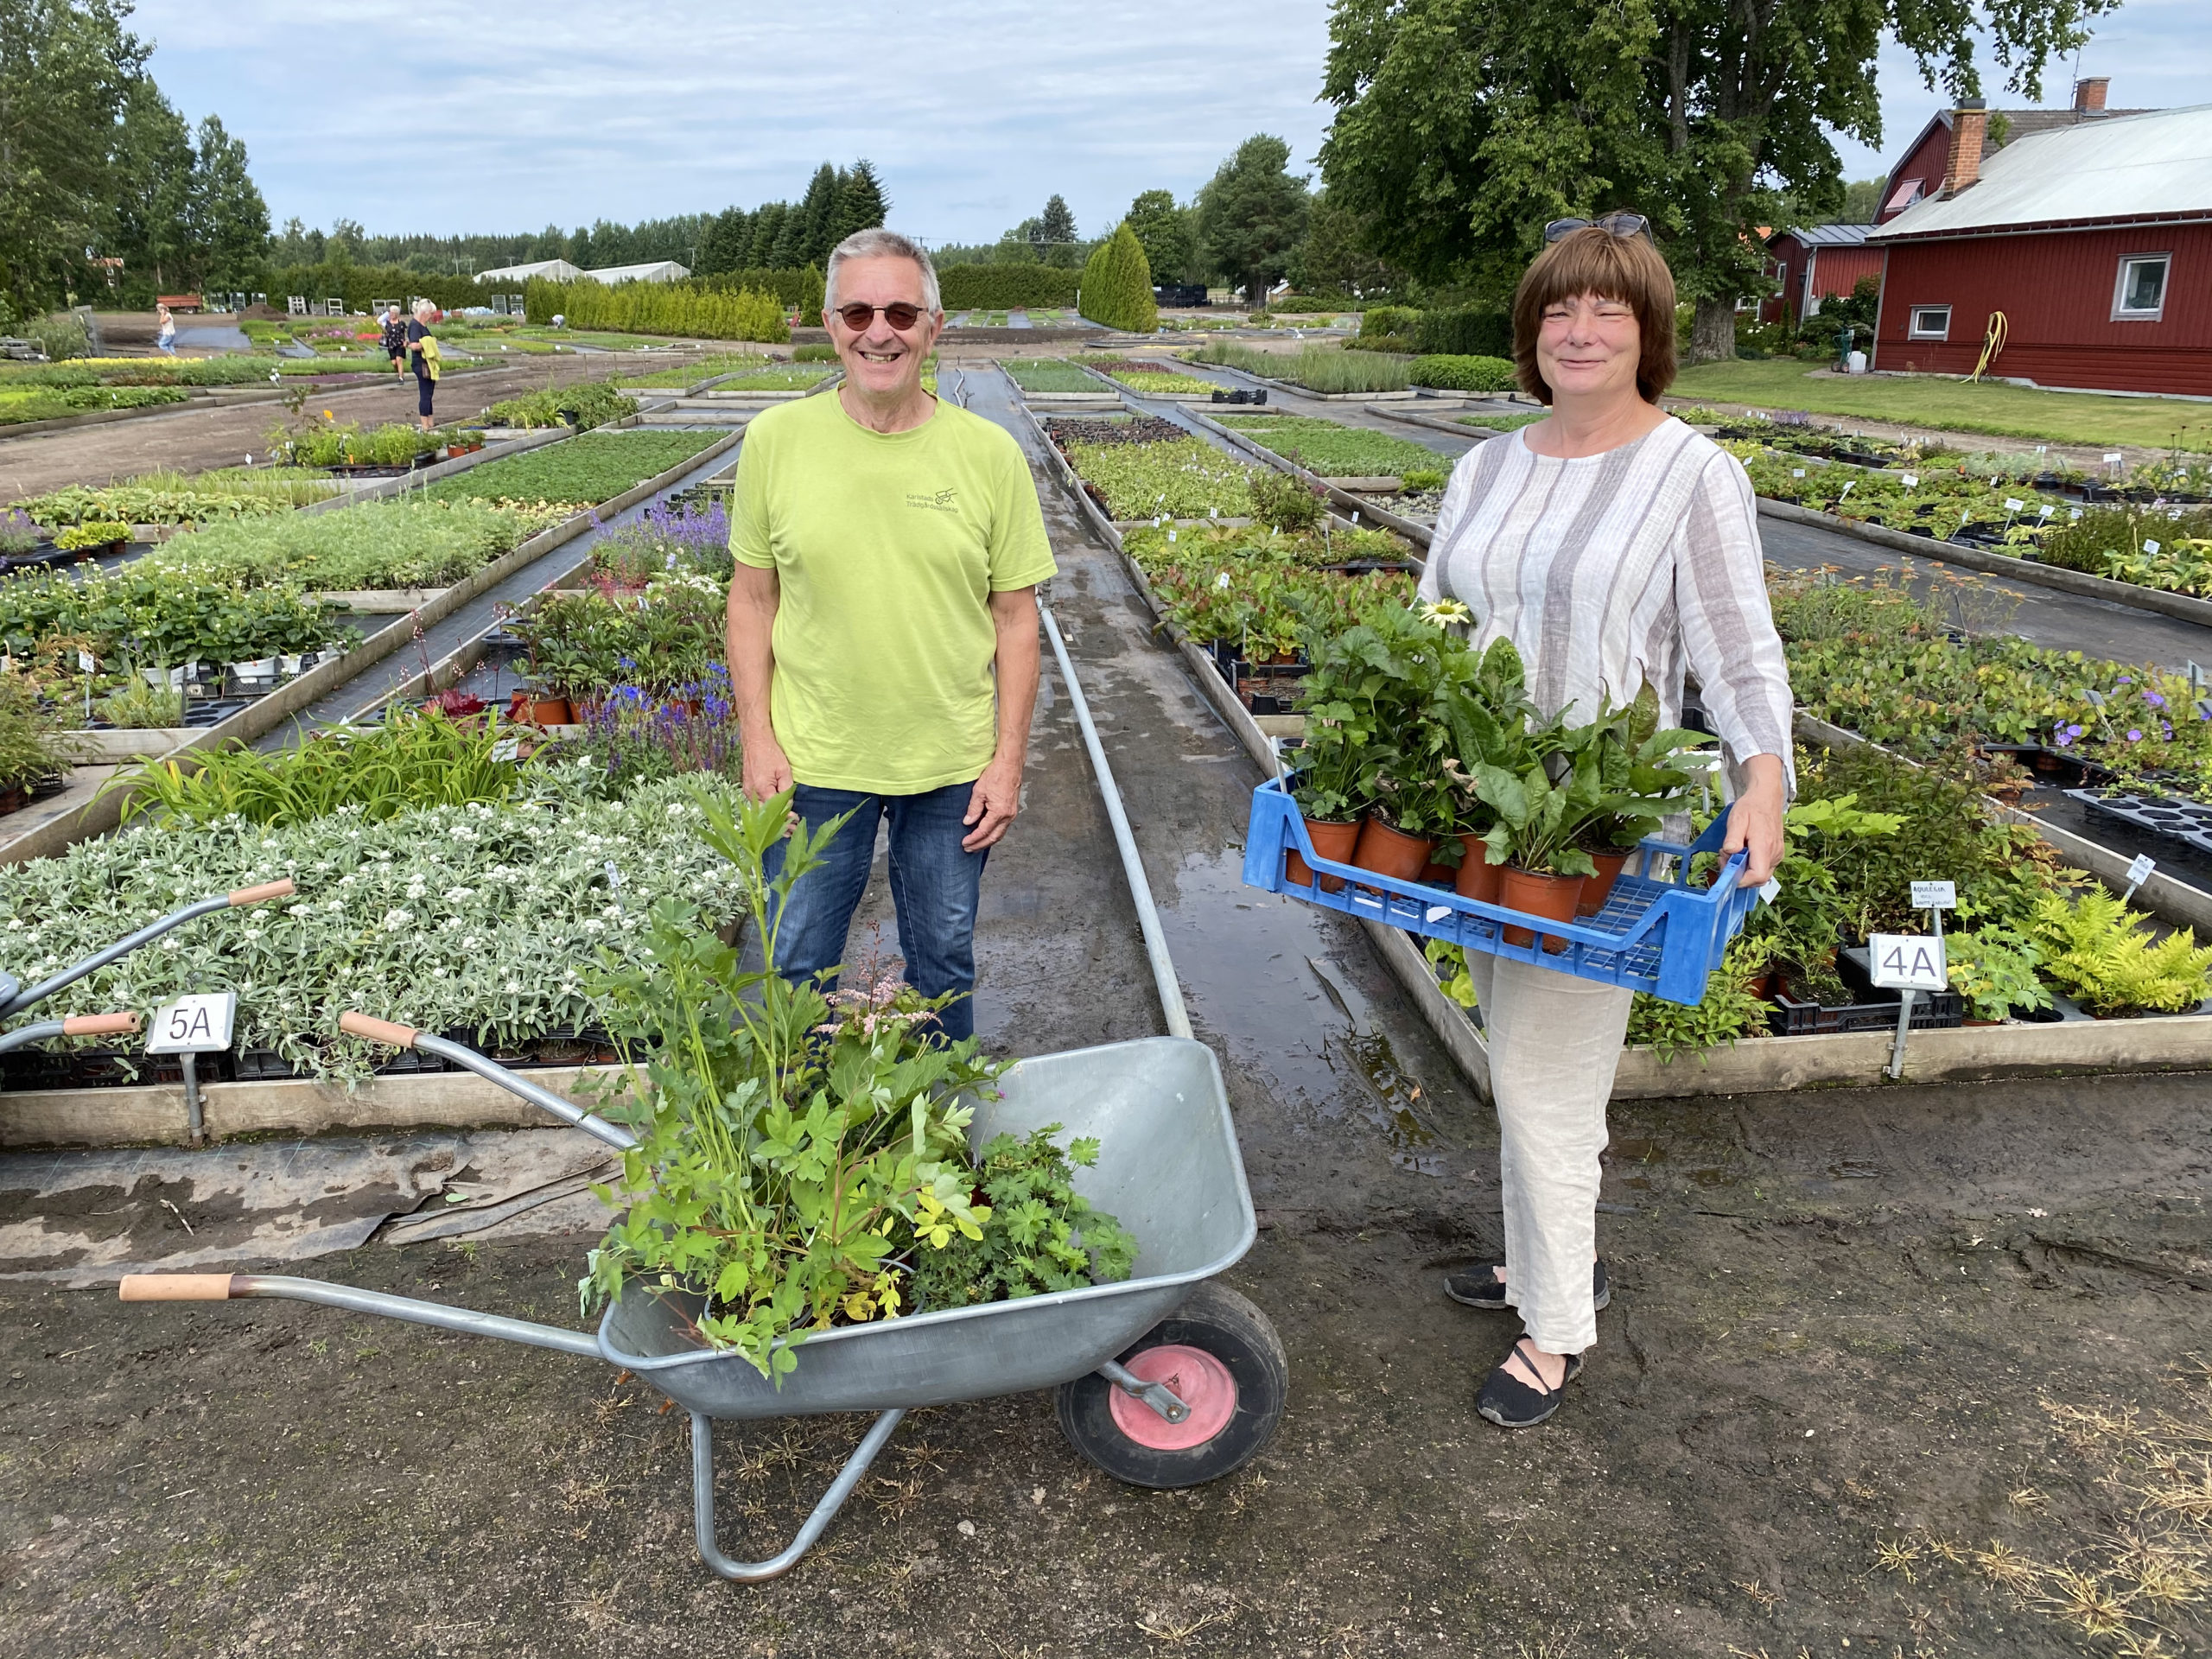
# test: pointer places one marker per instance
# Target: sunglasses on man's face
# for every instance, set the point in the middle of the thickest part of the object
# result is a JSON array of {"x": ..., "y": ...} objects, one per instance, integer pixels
[
  {"x": 1625, "y": 225},
  {"x": 899, "y": 315}
]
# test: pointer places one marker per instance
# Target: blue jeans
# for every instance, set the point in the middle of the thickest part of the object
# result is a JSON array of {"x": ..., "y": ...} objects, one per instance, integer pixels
[{"x": 934, "y": 887}]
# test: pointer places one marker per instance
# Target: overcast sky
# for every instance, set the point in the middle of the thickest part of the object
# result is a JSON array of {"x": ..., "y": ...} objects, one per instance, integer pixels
[{"x": 508, "y": 117}]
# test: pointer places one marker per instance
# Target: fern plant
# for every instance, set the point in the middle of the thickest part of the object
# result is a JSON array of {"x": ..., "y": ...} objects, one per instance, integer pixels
[{"x": 2097, "y": 950}]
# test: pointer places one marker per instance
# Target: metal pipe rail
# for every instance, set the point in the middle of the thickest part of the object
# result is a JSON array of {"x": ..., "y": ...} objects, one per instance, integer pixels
[{"x": 1155, "y": 938}]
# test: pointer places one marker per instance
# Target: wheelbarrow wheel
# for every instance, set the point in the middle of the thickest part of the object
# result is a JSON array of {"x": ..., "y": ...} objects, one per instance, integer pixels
[{"x": 1222, "y": 1358}]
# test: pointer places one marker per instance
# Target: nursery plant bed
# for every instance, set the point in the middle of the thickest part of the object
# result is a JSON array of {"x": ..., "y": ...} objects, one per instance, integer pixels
[
  {"x": 2177, "y": 816},
  {"x": 114, "y": 745}
]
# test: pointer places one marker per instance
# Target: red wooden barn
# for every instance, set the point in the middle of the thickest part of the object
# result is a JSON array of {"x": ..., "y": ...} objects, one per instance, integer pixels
[
  {"x": 1816, "y": 263},
  {"x": 2091, "y": 239}
]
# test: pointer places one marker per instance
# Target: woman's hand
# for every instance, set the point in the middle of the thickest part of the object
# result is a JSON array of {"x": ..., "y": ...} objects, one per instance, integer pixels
[{"x": 1755, "y": 821}]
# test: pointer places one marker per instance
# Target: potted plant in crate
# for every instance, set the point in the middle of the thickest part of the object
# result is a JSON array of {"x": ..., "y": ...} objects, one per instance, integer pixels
[
  {"x": 1639, "y": 766},
  {"x": 1542, "y": 806},
  {"x": 1488, "y": 719}
]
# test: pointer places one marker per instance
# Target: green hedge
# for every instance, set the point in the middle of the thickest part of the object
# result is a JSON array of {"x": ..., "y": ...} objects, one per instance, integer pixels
[
  {"x": 362, "y": 286},
  {"x": 659, "y": 308},
  {"x": 1002, "y": 288},
  {"x": 801, "y": 287},
  {"x": 1117, "y": 284},
  {"x": 1466, "y": 333},
  {"x": 1457, "y": 374}
]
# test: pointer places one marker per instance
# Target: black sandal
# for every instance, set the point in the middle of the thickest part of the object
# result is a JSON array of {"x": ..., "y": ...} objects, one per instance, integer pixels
[
  {"x": 1508, "y": 1401},
  {"x": 1480, "y": 1287}
]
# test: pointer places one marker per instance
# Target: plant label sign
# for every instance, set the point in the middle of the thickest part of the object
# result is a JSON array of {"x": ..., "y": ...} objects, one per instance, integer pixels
[
  {"x": 2139, "y": 871},
  {"x": 1910, "y": 480},
  {"x": 194, "y": 1025},
  {"x": 1908, "y": 961},
  {"x": 1934, "y": 895}
]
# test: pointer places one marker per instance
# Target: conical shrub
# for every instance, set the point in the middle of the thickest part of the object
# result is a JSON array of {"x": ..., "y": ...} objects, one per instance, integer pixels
[{"x": 1117, "y": 284}]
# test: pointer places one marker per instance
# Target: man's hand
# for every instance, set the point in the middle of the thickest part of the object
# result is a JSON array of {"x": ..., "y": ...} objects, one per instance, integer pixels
[
  {"x": 767, "y": 770},
  {"x": 991, "y": 808},
  {"x": 1755, "y": 821}
]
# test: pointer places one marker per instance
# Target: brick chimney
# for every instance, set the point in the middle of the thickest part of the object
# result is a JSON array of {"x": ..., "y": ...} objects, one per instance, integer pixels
[
  {"x": 1969, "y": 126},
  {"x": 2090, "y": 95}
]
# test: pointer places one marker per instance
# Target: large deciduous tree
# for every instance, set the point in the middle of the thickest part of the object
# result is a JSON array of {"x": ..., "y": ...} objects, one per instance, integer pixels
[
  {"x": 1252, "y": 216},
  {"x": 65, "y": 69},
  {"x": 1164, "y": 231},
  {"x": 228, "y": 218},
  {"x": 1461, "y": 127}
]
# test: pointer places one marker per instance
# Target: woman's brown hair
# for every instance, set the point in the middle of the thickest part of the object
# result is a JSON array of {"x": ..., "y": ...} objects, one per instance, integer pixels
[{"x": 1595, "y": 261}]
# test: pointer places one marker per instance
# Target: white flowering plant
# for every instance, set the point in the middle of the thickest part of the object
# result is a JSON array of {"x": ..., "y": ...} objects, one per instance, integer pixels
[{"x": 479, "y": 920}]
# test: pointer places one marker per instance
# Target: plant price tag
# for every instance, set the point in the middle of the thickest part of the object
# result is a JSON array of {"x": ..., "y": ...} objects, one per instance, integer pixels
[
  {"x": 194, "y": 1025},
  {"x": 2011, "y": 505},
  {"x": 2139, "y": 871},
  {"x": 507, "y": 748},
  {"x": 1910, "y": 480},
  {"x": 86, "y": 661},
  {"x": 1908, "y": 961},
  {"x": 1934, "y": 895},
  {"x": 2150, "y": 546}
]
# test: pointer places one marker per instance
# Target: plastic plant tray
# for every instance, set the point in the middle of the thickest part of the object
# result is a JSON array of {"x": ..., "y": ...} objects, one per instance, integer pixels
[
  {"x": 2186, "y": 820},
  {"x": 1659, "y": 935}
]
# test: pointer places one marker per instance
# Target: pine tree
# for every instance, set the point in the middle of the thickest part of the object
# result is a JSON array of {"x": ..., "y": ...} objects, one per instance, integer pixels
[
  {"x": 861, "y": 205},
  {"x": 228, "y": 218},
  {"x": 816, "y": 212},
  {"x": 1117, "y": 284},
  {"x": 767, "y": 235}
]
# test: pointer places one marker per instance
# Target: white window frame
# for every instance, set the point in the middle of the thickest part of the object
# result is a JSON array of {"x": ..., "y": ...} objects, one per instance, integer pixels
[
  {"x": 2128, "y": 262},
  {"x": 1914, "y": 331}
]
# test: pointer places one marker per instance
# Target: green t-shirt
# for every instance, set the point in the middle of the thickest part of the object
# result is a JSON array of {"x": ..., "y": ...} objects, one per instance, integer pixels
[{"x": 886, "y": 547}]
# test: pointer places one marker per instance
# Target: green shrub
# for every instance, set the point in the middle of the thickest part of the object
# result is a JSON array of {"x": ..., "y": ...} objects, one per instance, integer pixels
[
  {"x": 1282, "y": 502},
  {"x": 1465, "y": 332},
  {"x": 1117, "y": 284},
  {"x": 1004, "y": 288},
  {"x": 661, "y": 308},
  {"x": 1387, "y": 328},
  {"x": 584, "y": 405},
  {"x": 1484, "y": 374}
]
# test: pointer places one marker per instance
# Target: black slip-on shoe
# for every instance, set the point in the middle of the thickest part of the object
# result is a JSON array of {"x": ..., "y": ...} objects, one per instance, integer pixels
[
  {"x": 1480, "y": 1287},
  {"x": 1510, "y": 1403}
]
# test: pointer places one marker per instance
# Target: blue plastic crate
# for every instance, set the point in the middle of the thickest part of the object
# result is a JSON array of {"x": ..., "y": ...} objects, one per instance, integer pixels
[{"x": 1660, "y": 936}]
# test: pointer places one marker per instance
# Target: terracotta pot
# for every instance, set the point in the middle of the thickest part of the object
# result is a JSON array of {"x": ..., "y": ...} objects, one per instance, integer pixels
[
  {"x": 1549, "y": 896},
  {"x": 1477, "y": 877},
  {"x": 1331, "y": 840},
  {"x": 1763, "y": 986},
  {"x": 1596, "y": 888},
  {"x": 551, "y": 711},
  {"x": 1439, "y": 875},
  {"x": 12, "y": 798},
  {"x": 1391, "y": 852},
  {"x": 1981, "y": 1022}
]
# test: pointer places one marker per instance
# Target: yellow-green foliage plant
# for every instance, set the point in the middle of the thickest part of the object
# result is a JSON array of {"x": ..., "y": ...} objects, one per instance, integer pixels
[
  {"x": 2096, "y": 951},
  {"x": 663, "y": 308},
  {"x": 1117, "y": 284}
]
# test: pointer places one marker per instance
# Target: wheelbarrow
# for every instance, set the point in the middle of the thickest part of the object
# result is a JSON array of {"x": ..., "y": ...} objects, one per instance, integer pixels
[
  {"x": 15, "y": 998},
  {"x": 1164, "y": 1380}
]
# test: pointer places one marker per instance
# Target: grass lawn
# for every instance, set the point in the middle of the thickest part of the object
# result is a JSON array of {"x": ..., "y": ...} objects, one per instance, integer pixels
[{"x": 1953, "y": 405}]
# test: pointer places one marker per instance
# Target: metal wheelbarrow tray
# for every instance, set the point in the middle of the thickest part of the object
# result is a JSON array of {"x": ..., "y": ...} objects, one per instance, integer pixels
[{"x": 1164, "y": 1380}]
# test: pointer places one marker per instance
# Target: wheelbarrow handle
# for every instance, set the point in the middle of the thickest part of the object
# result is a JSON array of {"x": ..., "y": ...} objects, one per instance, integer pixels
[
  {"x": 240, "y": 1286},
  {"x": 100, "y": 1025},
  {"x": 146, "y": 935},
  {"x": 244, "y": 896},
  {"x": 370, "y": 1029}
]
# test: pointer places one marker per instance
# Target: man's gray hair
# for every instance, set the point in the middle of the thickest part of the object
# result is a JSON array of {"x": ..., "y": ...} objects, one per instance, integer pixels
[{"x": 880, "y": 243}]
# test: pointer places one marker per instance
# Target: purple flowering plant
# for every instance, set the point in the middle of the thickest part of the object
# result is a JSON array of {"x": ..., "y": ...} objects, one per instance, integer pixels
[{"x": 666, "y": 539}]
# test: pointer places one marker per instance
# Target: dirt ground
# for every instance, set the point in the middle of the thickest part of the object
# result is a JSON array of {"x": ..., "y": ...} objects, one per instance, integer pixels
[
  {"x": 1881, "y": 1368},
  {"x": 196, "y": 440}
]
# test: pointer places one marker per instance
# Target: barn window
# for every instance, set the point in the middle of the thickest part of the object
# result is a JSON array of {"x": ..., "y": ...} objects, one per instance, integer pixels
[
  {"x": 2140, "y": 293},
  {"x": 1903, "y": 196},
  {"x": 1930, "y": 322}
]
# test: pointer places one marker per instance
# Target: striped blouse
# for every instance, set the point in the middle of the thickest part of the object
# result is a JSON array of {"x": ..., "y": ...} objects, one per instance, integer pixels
[{"x": 1613, "y": 571}]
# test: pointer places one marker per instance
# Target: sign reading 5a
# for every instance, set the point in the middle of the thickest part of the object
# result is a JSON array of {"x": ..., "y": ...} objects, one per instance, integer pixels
[
  {"x": 1908, "y": 961},
  {"x": 194, "y": 1025}
]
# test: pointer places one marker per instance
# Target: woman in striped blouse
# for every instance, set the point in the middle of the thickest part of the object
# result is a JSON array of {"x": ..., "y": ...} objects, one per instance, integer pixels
[{"x": 1616, "y": 549}]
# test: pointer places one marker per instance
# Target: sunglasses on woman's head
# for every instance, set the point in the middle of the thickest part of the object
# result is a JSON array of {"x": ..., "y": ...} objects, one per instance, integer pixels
[
  {"x": 899, "y": 315},
  {"x": 1625, "y": 225}
]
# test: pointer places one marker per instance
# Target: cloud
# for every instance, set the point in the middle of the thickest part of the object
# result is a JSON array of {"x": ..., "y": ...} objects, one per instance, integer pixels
[{"x": 973, "y": 110}]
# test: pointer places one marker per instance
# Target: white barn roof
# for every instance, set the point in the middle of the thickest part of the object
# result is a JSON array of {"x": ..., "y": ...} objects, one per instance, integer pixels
[
  {"x": 2156, "y": 166},
  {"x": 658, "y": 270},
  {"x": 553, "y": 270}
]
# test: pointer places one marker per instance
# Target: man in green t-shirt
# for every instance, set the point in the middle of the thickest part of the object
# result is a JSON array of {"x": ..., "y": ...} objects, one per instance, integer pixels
[{"x": 883, "y": 625}]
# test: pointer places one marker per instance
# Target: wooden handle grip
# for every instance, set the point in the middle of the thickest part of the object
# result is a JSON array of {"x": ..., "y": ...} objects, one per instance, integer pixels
[
  {"x": 282, "y": 889},
  {"x": 98, "y": 1025},
  {"x": 177, "y": 1287},
  {"x": 376, "y": 1030}
]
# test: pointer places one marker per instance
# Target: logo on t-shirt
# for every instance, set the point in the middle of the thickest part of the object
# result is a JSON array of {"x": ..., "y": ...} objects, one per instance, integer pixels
[{"x": 942, "y": 501}]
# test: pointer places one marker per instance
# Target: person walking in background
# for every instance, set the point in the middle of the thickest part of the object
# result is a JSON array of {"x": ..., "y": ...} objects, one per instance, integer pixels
[
  {"x": 394, "y": 339},
  {"x": 422, "y": 354},
  {"x": 164, "y": 331},
  {"x": 883, "y": 628},
  {"x": 1616, "y": 549}
]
